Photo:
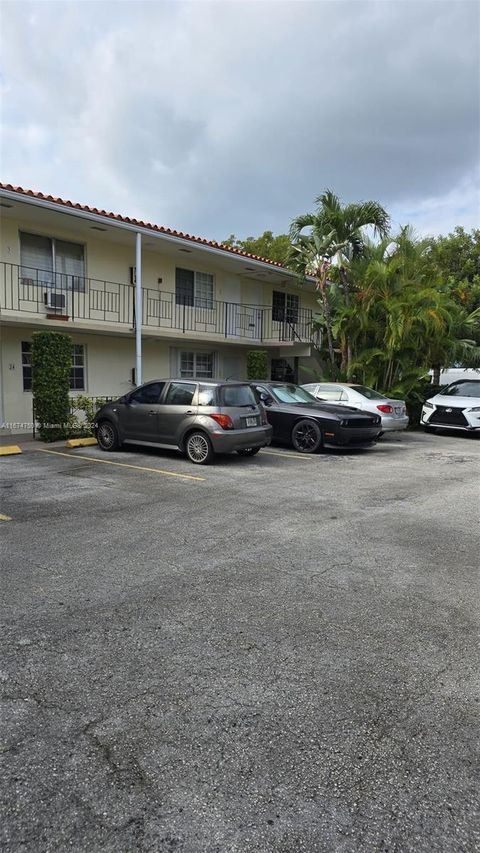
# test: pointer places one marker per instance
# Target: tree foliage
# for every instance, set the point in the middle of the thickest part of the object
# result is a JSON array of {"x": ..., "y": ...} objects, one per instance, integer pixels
[{"x": 274, "y": 248}]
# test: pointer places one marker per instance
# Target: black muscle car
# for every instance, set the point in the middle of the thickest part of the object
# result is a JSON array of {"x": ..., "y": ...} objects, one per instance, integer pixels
[{"x": 306, "y": 423}]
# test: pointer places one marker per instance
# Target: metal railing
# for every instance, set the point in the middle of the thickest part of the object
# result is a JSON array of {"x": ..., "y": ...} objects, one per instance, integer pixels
[{"x": 43, "y": 292}]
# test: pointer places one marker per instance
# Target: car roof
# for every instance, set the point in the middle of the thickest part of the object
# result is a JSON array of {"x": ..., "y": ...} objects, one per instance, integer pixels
[{"x": 197, "y": 381}]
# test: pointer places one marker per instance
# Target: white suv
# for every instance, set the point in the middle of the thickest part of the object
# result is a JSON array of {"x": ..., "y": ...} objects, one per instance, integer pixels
[{"x": 456, "y": 407}]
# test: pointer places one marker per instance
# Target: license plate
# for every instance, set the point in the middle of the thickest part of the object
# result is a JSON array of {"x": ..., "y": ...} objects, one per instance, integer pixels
[
  {"x": 398, "y": 410},
  {"x": 251, "y": 422}
]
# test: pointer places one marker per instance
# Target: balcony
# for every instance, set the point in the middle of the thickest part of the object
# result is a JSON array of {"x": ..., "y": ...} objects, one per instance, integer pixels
[{"x": 42, "y": 294}]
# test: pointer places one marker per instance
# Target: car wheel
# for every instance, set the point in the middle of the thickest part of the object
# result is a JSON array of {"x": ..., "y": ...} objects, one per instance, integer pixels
[
  {"x": 199, "y": 449},
  {"x": 248, "y": 451},
  {"x": 306, "y": 436},
  {"x": 107, "y": 436}
]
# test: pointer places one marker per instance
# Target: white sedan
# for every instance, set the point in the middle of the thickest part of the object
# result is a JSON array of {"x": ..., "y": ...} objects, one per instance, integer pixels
[
  {"x": 393, "y": 412},
  {"x": 456, "y": 407}
]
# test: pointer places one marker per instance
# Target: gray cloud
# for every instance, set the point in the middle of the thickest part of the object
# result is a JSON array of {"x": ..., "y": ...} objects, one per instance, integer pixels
[{"x": 221, "y": 117}]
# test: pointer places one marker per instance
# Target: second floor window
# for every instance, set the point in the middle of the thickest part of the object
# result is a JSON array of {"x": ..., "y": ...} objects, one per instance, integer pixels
[
  {"x": 51, "y": 263},
  {"x": 285, "y": 307},
  {"x": 193, "y": 288}
]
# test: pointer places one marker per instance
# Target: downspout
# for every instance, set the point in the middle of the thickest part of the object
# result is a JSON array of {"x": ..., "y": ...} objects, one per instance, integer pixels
[
  {"x": 2, "y": 407},
  {"x": 138, "y": 310}
]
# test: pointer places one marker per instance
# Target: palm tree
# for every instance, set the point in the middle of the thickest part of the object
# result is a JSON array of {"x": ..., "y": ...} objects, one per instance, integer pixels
[{"x": 337, "y": 237}]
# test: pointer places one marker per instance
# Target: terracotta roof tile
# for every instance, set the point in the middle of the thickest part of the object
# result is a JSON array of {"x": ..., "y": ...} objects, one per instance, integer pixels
[{"x": 160, "y": 228}]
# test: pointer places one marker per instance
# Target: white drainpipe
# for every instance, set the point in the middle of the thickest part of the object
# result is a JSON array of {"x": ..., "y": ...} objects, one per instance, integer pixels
[{"x": 138, "y": 310}]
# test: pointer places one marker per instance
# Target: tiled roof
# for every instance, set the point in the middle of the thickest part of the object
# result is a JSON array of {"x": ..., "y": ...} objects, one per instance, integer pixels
[{"x": 139, "y": 223}]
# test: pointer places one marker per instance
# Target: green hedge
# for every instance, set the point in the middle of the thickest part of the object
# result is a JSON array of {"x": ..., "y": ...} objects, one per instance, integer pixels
[
  {"x": 51, "y": 366},
  {"x": 257, "y": 364}
]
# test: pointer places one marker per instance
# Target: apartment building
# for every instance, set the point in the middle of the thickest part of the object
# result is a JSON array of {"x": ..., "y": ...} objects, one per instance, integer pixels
[{"x": 90, "y": 273}]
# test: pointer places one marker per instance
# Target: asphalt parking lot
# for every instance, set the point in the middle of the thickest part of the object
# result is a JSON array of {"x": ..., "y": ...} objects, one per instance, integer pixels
[{"x": 267, "y": 654}]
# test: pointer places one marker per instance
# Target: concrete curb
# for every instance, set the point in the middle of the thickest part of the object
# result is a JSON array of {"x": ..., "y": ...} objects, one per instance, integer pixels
[{"x": 9, "y": 450}]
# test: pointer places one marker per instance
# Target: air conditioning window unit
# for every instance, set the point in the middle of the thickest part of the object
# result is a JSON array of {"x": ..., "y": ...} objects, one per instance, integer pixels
[{"x": 55, "y": 300}]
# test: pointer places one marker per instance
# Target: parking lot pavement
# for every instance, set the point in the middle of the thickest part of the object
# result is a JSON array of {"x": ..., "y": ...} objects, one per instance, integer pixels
[{"x": 281, "y": 655}]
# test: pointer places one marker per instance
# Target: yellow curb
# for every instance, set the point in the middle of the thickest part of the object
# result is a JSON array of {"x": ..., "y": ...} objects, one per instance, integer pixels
[
  {"x": 9, "y": 450},
  {"x": 80, "y": 442}
]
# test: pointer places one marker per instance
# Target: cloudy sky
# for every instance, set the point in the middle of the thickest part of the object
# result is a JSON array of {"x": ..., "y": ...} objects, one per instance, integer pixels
[{"x": 221, "y": 117}]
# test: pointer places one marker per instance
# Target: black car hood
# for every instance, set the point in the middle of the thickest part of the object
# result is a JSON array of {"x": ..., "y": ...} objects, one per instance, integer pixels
[{"x": 330, "y": 410}]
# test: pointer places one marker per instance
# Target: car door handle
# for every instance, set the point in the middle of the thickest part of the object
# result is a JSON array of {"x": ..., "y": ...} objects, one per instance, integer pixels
[
  {"x": 190, "y": 412},
  {"x": 152, "y": 412}
]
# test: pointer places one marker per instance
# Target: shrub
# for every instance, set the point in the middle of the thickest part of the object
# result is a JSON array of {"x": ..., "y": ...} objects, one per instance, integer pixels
[
  {"x": 51, "y": 366},
  {"x": 87, "y": 407},
  {"x": 257, "y": 364},
  {"x": 416, "y": 397}
]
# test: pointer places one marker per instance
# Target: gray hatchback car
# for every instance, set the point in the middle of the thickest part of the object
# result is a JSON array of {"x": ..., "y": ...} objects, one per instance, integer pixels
[{"x": 200, "y": 418}]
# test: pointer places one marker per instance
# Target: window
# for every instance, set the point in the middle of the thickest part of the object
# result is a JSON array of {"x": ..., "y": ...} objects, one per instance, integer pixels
[
  {"x": 330, "y": 392},
  {"x": 292, "y": 394},
  {"x": 207, "y": 395},
  {"x": 463, "y": 389},
  {"x": 149, "y": 394},
  {"x": 180, "y": 394},
  {"x": 77, "y": 373},
  {"x": 27, "y": 365},
  {"x": 54, "y": 263},
  {"x": 369, "y": 393},
  {"x": 285, "y": 307},
  {"x": 197, "y": 365},
  {"x": 237, "y": 395},
  {"x": 193, "y": 288}
]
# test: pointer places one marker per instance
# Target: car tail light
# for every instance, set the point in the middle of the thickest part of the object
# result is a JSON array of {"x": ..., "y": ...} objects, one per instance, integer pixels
[
  {"x": 224, "y": 421},
  {"x": 385, "y": 408}
]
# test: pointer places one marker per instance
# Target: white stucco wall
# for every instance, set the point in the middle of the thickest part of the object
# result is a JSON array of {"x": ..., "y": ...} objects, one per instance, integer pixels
[{"x": 108, "y": 366}]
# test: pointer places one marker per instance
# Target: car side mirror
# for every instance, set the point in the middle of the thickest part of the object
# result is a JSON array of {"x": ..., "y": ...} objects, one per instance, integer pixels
[{"x": 266, "y": 399}]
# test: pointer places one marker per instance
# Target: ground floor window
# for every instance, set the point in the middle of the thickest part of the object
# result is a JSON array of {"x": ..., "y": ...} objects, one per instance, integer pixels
[
  {"x": 284, "y": 370},
  {"x": 27, "y": 365},
  {"x": 77, "y": 373},
  {"x": 197, "y": 365}
]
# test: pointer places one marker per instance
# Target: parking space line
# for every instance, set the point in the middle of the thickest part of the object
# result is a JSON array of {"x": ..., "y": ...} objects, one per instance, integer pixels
[
  {"x": 4, "y": 517},
  {"x": 306, "y": 458},
  {"x": 123, "y": 465}
]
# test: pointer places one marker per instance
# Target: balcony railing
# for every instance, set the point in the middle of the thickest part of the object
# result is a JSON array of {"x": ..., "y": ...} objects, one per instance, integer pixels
[{"x": 42, "y": 292}]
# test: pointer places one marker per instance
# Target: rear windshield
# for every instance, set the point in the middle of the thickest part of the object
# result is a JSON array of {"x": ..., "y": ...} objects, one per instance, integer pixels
[
  {"x": 237, "y": 395},
  {"x": 462, "y": 389},
  {"x": 369, "y": 393}
]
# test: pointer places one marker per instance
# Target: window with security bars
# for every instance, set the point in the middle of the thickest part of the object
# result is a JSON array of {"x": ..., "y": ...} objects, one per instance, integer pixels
[
  {"x": 77, "y": 372},
  {"x": 197, "y": 365},
  {"x": 285, "y": 307},
  {"x": 51, "y": 263},
  {"x": 193, "y": 288}
]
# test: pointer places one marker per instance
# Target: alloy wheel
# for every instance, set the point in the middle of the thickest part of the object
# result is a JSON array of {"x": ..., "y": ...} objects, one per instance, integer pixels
[
  {"x": 306, "y": 437},
  {"x": 106, "y": 436},
  {"x": 198, "y": 448}
]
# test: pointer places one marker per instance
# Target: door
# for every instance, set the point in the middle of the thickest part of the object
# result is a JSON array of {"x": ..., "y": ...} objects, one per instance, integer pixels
[
  {"x": 176, "y": 412},
  {"x": 138, "y": 416}
]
